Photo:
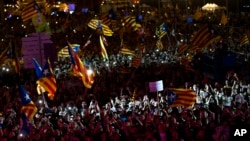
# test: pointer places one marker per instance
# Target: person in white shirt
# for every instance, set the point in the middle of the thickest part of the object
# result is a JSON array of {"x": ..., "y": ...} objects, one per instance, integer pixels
[
  {"x": 239, "y": 99},
  {"x": 199, "y": 98},
  {"x": 226, "y": 101}
]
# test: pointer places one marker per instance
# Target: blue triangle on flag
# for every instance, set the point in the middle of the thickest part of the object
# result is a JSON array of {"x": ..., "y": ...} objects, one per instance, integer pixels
[{"x": 171, "y": 97}]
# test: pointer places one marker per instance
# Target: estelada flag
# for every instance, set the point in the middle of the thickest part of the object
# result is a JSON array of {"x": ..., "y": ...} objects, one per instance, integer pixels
[
  {"x": 28, "y": 106},
  {"x": 181, "y": 97}
]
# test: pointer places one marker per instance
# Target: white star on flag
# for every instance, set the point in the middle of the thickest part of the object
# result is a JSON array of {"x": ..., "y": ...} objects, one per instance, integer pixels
[
  {"x": 45, "y": 72},
  {"x": 26, "y": 97}
]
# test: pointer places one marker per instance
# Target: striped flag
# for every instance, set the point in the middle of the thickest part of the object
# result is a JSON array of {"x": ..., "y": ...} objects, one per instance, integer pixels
[
  {"x": 161, "y": 31},
  {"x": 130, "y": 23},
  {"x": 96, "y": 24},
  {"x": 30, "y": 10},
  {"x": 181, "y": 97},
  {"x": 103, "y": 49},
  {"x": 80, "y": 69},
  {"x": 244, "y": 40},
  {"x": 204, "y": 36},
  {"x": 48, "y": 80},
  {"x": 159, "y": 44},
  {"x": 64, "y": 51},
  {"x": 136, "y": 62},
  {"x": 181, "y": 50},
  {"x": 28, "y": 106},
  {"x": 107, "y": 18},
  {"x": 127, "y": 51}
]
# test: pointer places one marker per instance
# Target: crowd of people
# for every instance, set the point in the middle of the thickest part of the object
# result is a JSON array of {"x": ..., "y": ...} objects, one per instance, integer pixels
[{"x": 119, "y": 106}]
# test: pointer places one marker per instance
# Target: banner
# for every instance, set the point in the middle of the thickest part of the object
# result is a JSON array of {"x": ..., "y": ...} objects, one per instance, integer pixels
[{"x": 156, "y": 86}]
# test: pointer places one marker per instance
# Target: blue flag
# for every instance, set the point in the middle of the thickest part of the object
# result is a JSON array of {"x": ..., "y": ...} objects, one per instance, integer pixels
[
  {"x": 47, "y": 71},
  {"x": 24, "y": 96},
  {"x": 38, "y": 69}
]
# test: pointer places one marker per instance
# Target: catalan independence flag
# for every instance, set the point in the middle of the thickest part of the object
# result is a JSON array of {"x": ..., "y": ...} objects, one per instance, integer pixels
[
  {"x": 159, "y": 44},
  {"x": 97, "y": 24},
  {"x": 80, "y": 69},
  {"x": 28, "y": 107},
  {"x": 203, "y": 37},
  {"x": 130, "y": 23},
  {"x": 161, "y": 30},
  {"x": 30, "y": 10},
  {"x": 107, "y": 17},
  {"x": 181, "y": 97},
  {"x": 48, "y": 80},
  {"x": 244, "y": 40}
]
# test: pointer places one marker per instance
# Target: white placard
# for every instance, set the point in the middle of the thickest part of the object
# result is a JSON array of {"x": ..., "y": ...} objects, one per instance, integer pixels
[{"x": 156, "y": 86}]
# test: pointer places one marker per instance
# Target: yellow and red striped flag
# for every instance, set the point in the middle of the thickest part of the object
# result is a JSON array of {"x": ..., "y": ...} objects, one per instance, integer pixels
[
  {"x": 30, "y": 10},
  {"x": 130, "y": 23},
  {"x": 95, "y": 24},
  {"x": 181, "y": 97},
  {"x": 48, "y": 80},
  {"x": 205, "y": 35},
  {"x": 127, "y": 51},
  {"x": 80, "y": 69},
  {"x": 28, "y": 107},
  {"x": 103, "y": 49},
  {"x": 182, "y": 49},
  {"x": 244, "y": 40},
  {"x": 161, "y": 30},
  {"x": 159, "y": 44}
]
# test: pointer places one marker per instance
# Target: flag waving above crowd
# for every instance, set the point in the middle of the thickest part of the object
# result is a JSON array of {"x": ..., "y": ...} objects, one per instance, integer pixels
[
  {"x": 28, "y": 106},
  {"x": 80, "y": 69},
  {"x": 46, "y": 78}
]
